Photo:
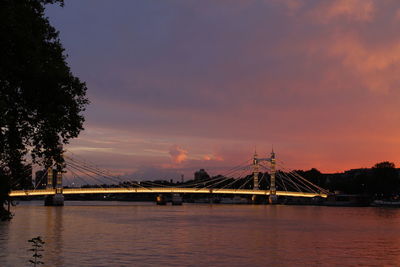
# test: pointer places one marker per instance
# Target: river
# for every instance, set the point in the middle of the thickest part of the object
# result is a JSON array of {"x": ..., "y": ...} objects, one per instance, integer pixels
[{"x": 94, "y": 233}]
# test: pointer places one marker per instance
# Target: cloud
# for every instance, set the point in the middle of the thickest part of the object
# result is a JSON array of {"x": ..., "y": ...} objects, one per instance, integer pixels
[
  {"x": 352, "y": 10},
  {"x": 92, "y": 149},
  {"x": 178, "y": 154},
  {"x": 376, "y": 67},
  {"x": 291, "y": 5},
  {"x": 212, "y": 157},
  {"x": 154, "y": 173},
  {"x": 310, "y": 77}
]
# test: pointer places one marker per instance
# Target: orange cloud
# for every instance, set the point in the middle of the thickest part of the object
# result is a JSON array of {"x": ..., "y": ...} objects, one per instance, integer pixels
[
  {"x": 178, "y": 155},
  {"x": 304, "y": 77},
  {"x": 355, "y": 10},
  {"x": 213, "y": 157},
  {"x": 377, "y": 67}
]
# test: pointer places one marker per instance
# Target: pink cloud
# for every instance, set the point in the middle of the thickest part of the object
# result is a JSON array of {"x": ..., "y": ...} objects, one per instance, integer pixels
[
  {"x": 292, "y": 5},
  {"x": 213, "y": 157},
  {"x": 374, "y": 66},
  {"x": 353, "y": 10},
  {"x": 178, "y": 154},
  {"x": 317, "y": 79}
]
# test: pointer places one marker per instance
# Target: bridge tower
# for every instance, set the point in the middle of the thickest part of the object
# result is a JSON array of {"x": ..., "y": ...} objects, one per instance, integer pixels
[
  {"x": 58, "y": 198},
  {"x": 256, "y": 170},
  {"x": 273, "y": 199},
  {"x": 49, "y": 178},
  {"x": 256, "y": 186}
]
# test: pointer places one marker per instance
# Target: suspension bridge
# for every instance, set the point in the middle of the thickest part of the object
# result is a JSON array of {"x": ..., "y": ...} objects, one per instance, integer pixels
[{"x": 256, "y": 177}]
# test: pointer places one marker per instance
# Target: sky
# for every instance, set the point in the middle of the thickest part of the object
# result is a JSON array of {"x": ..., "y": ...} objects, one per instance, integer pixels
[{"x": 176, "y": 86}]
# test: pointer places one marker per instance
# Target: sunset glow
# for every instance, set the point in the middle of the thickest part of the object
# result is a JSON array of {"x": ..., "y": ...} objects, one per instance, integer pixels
[{"x": 176, "y": 86}]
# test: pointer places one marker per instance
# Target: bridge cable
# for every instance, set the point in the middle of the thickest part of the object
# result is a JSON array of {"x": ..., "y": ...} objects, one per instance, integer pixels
[
  {"x": 40, "y": 181},
  {"x": 234, "y": 181},
  {"x": 219, "y": 182},
  {"x": 99, "y": 172},
  {"x": 91, "y": 176},
  {"x": 89, "y": 169},
  {"x": 80, "y": 178},
  {"x": 228, "y": 178},
  {"x": 107, "y": 178},
  {"x": 304, "y": 181}
]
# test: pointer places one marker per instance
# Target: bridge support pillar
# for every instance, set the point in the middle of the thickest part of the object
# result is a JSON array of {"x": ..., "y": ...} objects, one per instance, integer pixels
[
  {"x": 55, "y": 200},
  {"x": 257, "y": 199},
  {"x": 58, "y": 198},
  {"x": 273, "y": 199},
  {"x": 161, "y": 200},
  {"x": 176, "y": 199}
]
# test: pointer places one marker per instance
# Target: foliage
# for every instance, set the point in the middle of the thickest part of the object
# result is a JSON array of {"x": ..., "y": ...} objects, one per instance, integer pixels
[
  {"x": 384, "y": 165},
  {"x": 380, "y": 181},
  {"x": 386, "y": 180},
  {"x": 4, "y": 190},
  {"x": 201, "y": 175},
  {"x": 40, "y": 100},
  {"x": 37, "y": 247},
  {"x": 313, "y": 175}
]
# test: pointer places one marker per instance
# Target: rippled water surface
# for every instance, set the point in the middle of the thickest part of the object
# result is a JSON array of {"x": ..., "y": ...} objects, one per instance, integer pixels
[{"x": 143, "y": 234}]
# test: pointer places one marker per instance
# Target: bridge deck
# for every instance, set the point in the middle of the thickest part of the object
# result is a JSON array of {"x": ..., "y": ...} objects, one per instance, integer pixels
[{"x": 160, "y": 190}]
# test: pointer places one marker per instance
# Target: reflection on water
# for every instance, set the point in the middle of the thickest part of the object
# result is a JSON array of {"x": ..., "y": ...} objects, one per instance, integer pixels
[
  {"x": 143, "y": 234},
  {"x": 54, "y": 230}
]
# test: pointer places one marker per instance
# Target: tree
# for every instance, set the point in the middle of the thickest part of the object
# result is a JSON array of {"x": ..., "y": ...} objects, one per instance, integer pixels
[
  {"x": 385, "y": 181},
  {"x": 41, "y": 101},
  {"x": 384, "y": 165},
  {"x": 314, "y": 176},
  {"x": 201, "y": 175}
]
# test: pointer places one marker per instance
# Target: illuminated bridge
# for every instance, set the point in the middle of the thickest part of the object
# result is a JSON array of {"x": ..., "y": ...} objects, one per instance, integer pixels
[
  {"x": 265, "y": 179},
  {"x": 160, "y": 190}
]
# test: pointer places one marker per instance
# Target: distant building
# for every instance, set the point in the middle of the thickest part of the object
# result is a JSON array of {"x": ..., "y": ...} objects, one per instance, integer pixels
[
  {"x": 41, "y": 179},
  {"x": 201, "y": 175}
]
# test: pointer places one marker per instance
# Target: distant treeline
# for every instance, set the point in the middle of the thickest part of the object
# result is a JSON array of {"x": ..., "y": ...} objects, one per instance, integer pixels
[{"x": 382, "y": 180}]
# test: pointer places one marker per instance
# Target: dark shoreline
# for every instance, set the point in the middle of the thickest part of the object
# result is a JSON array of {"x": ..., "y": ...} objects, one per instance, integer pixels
[{"x": 201, "y": 201}]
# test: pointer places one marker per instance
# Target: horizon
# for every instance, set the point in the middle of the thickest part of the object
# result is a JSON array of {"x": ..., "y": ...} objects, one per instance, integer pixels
[{"x": 175, "y": 87}]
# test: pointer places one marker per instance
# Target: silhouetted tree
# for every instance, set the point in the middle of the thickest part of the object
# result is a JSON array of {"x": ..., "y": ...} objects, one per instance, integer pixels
[
  {"x": 40, "y": 100},
  {"x": 385, "y": 181},
  {"x": 384, "y": 165},
  {"x": 4, "y": 190},
  {"x": 314, "y": 176},
  {"x": 201, "y": 175}
]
